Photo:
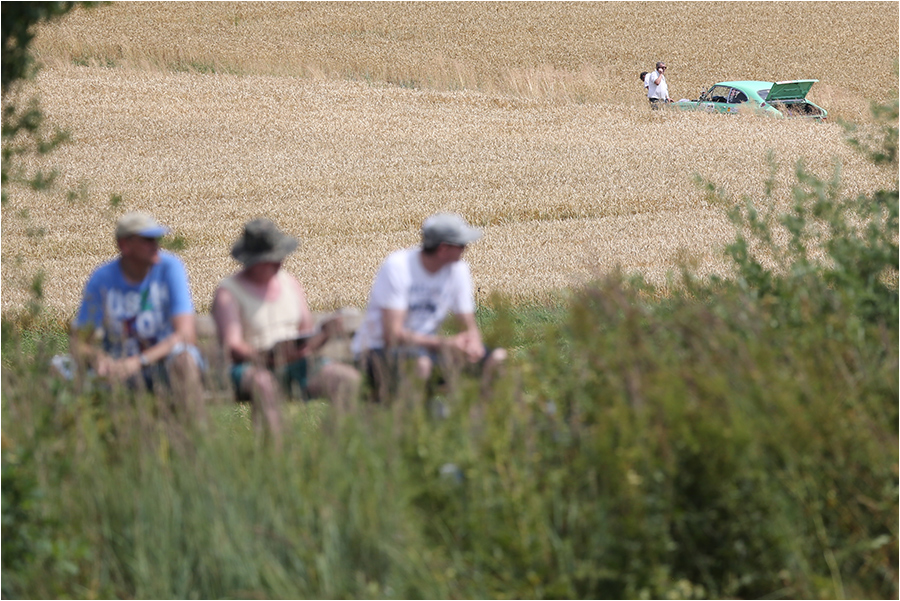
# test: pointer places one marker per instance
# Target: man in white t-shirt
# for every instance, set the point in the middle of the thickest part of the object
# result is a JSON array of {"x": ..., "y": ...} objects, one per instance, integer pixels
[
  {"x": 413, "y": 292},
  {"x": 658, "y": 90}
]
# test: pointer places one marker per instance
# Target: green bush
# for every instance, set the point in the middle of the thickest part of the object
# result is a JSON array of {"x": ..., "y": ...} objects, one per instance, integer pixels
[{"x": 734, "y": 438}]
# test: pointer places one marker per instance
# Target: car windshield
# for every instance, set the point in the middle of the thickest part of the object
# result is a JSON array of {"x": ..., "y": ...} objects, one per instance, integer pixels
[
  {"x": 763, "y": 93},
  {"x": 727, "y": 94},
  {"x": 718, "y": 94}
]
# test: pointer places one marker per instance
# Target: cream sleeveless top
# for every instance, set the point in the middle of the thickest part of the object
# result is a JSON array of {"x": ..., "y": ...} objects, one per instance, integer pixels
[{"x": 267, "y": 322}]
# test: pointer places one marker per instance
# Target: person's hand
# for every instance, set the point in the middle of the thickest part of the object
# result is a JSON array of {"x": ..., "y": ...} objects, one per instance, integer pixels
[
  {"x": 118, "y": 370},
  {"x": 333, "y": 326},
  {"x": 470, "y": 346},
  {"x": 284, "y": 352}
]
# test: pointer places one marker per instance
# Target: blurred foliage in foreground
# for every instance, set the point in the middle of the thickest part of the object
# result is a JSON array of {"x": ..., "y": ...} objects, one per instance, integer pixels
[{"x": 737, "y": 438}]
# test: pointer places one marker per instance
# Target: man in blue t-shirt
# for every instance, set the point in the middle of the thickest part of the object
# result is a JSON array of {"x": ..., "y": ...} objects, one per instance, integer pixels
[{"x": 139, "y": 308}]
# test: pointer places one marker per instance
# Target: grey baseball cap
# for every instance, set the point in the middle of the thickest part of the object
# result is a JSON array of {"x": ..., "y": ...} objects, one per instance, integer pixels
[
  {"x": 139, "y": 224},
  {"x": 449, "y": 228}
]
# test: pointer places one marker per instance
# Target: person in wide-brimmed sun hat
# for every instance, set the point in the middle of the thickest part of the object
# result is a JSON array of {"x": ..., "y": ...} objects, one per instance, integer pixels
[{"x": 267, "y": 330}]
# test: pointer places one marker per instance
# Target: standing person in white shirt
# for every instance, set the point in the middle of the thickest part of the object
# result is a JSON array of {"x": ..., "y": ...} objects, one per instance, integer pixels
[
  {"x": 413, "y": 292},
  {"x": 658, "y": 90}
]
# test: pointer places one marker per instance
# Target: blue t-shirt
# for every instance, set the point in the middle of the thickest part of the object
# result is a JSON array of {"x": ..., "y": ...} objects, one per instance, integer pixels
[{"x": 135, "y": 317}]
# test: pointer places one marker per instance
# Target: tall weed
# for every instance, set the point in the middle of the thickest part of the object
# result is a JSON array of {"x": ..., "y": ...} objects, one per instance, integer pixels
[{"x": 734, "y": 438}]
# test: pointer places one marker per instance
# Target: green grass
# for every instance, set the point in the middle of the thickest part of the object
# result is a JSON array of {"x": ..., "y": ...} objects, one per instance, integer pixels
[
  {"x": 635, "y": 448},
  {"x": 732, "y": 438}
]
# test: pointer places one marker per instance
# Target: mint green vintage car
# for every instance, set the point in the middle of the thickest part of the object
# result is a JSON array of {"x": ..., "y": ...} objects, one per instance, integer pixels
[{"x": 776, "y": 99}]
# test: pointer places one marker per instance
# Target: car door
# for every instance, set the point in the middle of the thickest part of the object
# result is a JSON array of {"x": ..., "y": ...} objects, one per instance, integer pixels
[{"x": 715, "y": 100}]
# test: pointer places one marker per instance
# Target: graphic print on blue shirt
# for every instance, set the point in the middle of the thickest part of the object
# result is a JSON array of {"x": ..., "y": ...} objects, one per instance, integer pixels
[{"x": 135, "y": 317}]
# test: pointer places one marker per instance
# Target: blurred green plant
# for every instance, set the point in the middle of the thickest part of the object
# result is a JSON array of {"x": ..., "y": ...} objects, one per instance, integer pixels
[
  {"x": 734, "y": 438},
  {"x": 24, "y": 129},
  {"x": 174, "y": 243}
]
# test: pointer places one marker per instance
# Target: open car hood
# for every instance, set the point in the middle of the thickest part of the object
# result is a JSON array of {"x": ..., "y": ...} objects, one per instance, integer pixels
[{"x": 790, "y": 90}]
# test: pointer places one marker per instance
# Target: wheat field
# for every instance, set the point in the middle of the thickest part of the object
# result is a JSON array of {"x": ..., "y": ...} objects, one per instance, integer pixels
[{"x": 349, "y": 123}]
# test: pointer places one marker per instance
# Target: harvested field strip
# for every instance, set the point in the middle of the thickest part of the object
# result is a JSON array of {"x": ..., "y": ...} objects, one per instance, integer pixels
[{"x": 583, "y": 52}]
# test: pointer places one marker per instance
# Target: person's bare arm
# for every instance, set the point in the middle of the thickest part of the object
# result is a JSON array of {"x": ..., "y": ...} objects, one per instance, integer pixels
[
  {"x": 84, "y": 348},
  {"x": 329, "y": 328},
  {"x": 395, "y": 334},
  {"x": 184, "y": 331},
  {"x": 467, "y": 342},
  {"x": 226, "y": 314},
  {"x": 86, "y": 352}
]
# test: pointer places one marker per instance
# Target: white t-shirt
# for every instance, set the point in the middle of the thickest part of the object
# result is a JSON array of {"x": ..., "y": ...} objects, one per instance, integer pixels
[
  {"x": 660, "y": 91},
  {"x": 647, "y": 83},
  {"x": 403, "y": 283}
]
